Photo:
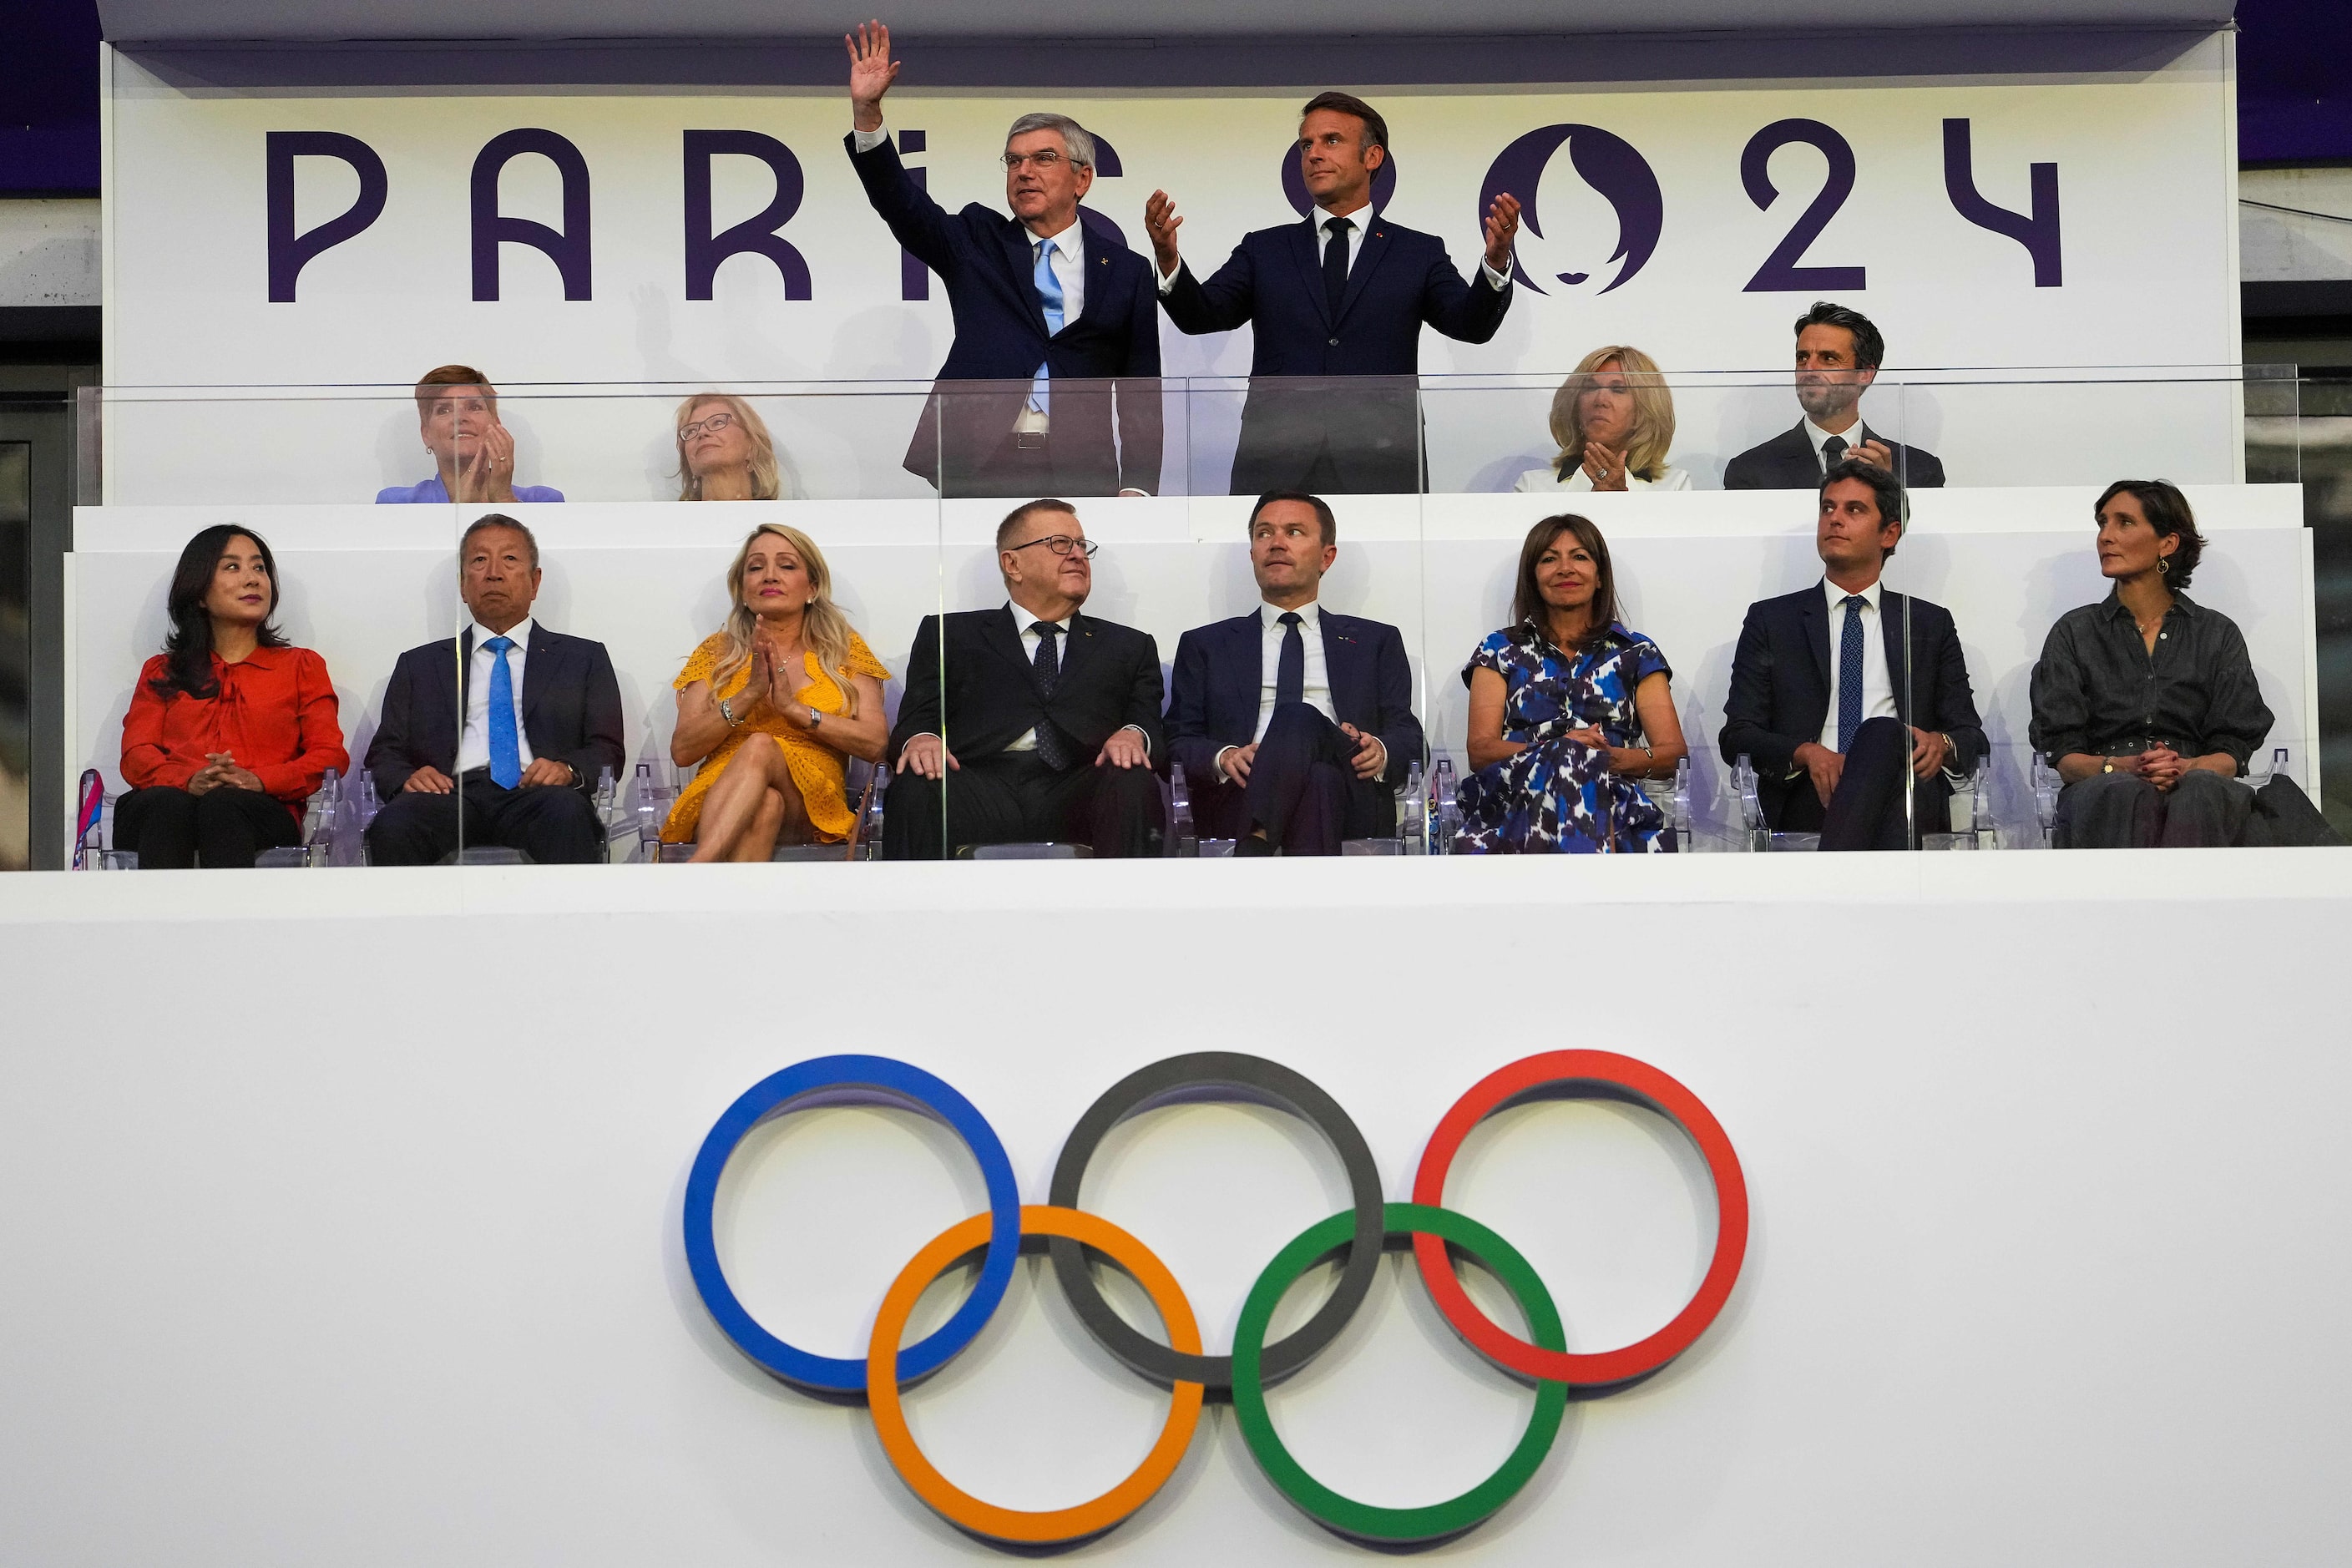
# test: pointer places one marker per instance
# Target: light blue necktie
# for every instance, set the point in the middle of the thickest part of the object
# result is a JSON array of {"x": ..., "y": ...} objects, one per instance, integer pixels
[
  {"x": 506, "y": 753},
  {"x": 1049, "y": 289},
  {"x": 1850, "y": 672}
]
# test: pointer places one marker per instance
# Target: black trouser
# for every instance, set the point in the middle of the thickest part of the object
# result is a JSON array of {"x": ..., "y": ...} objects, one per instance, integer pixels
[
  {"x": 1014, "y": 799},
  {"x": 2124, "y": 811},
  {"x": 1302, "y": 790},
  {"x": 171, "y": 830},
  {"x": 1865, "y": 811},
  {"x": 554, "y": 825}
]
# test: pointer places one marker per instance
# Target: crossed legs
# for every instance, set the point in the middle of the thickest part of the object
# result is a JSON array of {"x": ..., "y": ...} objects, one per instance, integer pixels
[{"x": 754, "y": 806}]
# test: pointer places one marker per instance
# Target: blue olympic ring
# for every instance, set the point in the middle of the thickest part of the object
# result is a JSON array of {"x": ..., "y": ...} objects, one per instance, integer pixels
[{"x": 840, "y": 1080}]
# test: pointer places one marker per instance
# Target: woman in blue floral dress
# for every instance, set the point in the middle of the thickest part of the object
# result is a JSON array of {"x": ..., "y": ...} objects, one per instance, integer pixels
[{"x": 1567, "y": 709}]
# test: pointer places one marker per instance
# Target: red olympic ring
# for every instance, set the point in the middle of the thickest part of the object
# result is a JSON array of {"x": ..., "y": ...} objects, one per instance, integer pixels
[{"x": 1615, "y": 1077}]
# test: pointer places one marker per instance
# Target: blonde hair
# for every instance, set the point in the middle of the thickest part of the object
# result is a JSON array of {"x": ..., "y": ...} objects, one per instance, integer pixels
[
  {"x": 765, "y": 483},
  {"x": 824, "y": 630},
  {"x": 1654, "y": 412}
]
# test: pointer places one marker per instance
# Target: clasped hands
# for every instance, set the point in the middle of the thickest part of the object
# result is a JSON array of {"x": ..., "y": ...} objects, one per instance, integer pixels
[
  {"x": 220, "y": 772},
  {"x": 488, "y": 474},
  {"x": 2160, "y": 766}
]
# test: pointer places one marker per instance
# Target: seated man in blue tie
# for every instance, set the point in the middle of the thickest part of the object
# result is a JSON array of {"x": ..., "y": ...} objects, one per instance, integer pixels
[
  {"x": 1058, "y": 326},
  {"x": 540, "y": 719},
  {"x": 1831, "y": 702},
  {"x": 1294, "y": 724}
]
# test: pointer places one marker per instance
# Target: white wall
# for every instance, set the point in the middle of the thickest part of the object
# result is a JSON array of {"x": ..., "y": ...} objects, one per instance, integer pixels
[
  {"x": 361, "y": 583},
  {"x": 354, "y": 1238}
]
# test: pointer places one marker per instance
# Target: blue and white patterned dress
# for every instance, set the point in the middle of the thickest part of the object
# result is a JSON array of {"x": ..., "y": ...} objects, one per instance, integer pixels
[{"x": 1558, "y": 796}]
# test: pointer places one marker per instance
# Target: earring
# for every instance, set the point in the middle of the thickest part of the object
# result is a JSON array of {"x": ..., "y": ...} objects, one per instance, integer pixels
[{"x": 2163, "y": 567}]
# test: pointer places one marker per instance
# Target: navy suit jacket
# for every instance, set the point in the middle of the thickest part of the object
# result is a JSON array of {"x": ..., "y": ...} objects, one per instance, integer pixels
[
  {"x": 571, "y": 709},
  {"x": 1781, "y": 690},
  {"x": 1219, "y": 672},
  {"x": 1788, "y": 462},
  {"x": 986, "y": 261},
  {"x": 1401, "y": 280}
]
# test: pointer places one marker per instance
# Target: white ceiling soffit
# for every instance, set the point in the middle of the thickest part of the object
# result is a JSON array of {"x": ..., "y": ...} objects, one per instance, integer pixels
[{"x": 318, "y": 21}]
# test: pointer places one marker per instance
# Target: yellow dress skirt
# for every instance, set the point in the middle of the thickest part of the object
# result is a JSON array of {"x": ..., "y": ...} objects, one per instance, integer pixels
[{"x": 818, "y": 771}]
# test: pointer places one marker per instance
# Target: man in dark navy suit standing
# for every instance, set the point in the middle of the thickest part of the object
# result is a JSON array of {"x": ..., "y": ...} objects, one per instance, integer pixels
[
  {"x": 1342, "y": 294},
  {"x": 1293, "y": 724},
  {"x": 1057, "y": 328}
]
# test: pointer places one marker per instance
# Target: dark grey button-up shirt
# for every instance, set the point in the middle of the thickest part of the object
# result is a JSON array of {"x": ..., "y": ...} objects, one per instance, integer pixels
[{"x": 2097, "y": 691}]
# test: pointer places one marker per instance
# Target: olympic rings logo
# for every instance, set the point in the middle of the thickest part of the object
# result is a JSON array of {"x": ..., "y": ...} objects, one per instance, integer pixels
[{"x": 1073, "y": 1238}]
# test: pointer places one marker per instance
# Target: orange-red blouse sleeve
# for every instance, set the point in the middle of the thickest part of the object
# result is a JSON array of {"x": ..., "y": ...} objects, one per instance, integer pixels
[{"x": 148, "y": 761}]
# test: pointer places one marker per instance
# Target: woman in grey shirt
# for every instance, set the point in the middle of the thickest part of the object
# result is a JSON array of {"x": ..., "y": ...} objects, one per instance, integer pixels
[{"x": 2146, "y": 701}]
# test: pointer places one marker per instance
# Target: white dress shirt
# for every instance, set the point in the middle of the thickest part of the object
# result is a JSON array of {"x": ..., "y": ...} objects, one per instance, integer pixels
[
  {"x": 474, "y": 745},
  {"x": 1536, "y": 480},
  {"x": 1359, "y": 219},
  {"x": 1317, "y": 692},
  {"x": 1021, "y": 620},
  {"x": 1853, "y": 436},
  {"x": 1877, "y": 689}
]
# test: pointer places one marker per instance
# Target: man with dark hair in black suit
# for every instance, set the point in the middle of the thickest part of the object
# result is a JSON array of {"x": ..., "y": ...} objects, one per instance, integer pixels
[
  {"x": 1838, "y": 355},
  {"x": 1294, "y": 724},
  {"x": 1343, "y": 294},
  {"x": 1047, "y": 311},
  {"x": 1837, "y": 687},
  {"x": 541, "y": 718},
  {"x": 1030, "y": 721}
]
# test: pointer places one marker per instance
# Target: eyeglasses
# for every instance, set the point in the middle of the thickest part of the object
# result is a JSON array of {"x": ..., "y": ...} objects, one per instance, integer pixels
[
  {"x": 1062, "y": 544},
  {"x": 1046, "y": 160},
  {"x": 713, "y": 425}
]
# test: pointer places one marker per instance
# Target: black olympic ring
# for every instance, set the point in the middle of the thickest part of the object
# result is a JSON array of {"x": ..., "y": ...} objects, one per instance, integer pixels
[{"x": 1220, "y": 1076}]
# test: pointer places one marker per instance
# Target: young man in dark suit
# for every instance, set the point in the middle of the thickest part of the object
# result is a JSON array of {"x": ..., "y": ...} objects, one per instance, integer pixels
[
  {"x": 1831, "y": 702},
  {"x": 1047, "y": 313},
  {"x": 1294, "y": 724},
  {"x": 540, "y": 719},
  {"x": 1340, "y": 295},
  {"x": 1031, "y": 721},
  {"x": 1838, "y": 356}
]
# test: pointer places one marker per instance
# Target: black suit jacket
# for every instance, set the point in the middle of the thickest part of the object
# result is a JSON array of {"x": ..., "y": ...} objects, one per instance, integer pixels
[
  {"x": 985, "y": 260},
  {"x": 1109, "y": 680},
  {"x": 1220, "y": 673},
  {"x": 571, "y": 709},
  {"x": 1401, "y": 280},
  {"x": 1781, "y": 690},
  {"x": 1786, "y": 462}
]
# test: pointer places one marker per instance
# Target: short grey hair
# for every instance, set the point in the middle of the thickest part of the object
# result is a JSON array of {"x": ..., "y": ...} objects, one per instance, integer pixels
[{"x": 1074, "y": 140}]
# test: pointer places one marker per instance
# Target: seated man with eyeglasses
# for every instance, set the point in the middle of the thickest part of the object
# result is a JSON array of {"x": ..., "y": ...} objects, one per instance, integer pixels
[
  {"x": 1031, "y": 722},
  {"x": 1048, "y": 310}
]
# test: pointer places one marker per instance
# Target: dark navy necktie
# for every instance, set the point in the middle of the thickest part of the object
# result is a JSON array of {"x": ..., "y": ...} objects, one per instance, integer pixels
[
  {"x": 1832, "y": 453},
  {"x": 1850, "y": 670},
  {"x": 1335, "y": 264},
  {"x": 1053, "y": 746},
  {"x": 1290, "y": 670},
  {"x": 506, "y": 753}
]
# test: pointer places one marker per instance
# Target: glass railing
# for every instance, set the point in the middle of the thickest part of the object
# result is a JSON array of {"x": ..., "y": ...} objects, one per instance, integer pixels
[{"x": 1457, "y": 696}]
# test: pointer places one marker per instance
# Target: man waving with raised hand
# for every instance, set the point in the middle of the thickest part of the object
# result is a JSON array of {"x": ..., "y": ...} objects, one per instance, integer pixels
[
  {"x": 1343, "y": 294},
  {"x": 1051, "y": 386}
]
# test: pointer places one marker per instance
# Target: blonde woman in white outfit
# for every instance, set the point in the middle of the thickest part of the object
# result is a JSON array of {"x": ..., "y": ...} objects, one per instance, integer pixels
[{"x": 1614, "y": 420}]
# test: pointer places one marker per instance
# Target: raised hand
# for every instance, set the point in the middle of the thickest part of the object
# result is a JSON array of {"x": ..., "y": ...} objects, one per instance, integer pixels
[
  {"x": 871, "y": 72},
  {"x": 1604, "y": 467},
  {"x": 1502, "y": 230},
  {"x": 1160, "y": 222}
]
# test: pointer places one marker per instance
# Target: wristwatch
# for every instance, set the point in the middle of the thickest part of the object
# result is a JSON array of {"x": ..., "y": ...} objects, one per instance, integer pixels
[
  {"x": 727, "y": 712},
  {"x": 815, "y": 718}
]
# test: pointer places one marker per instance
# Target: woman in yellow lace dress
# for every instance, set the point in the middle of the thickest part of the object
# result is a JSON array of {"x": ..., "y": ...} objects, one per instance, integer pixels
[{"x": 771, "y": 707}]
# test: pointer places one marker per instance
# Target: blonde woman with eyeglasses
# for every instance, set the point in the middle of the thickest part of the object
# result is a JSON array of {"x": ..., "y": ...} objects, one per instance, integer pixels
[
  {"x": 724, "y": 451},
  {"x": 772, "y": 706},
  {"x": 1614, "y": 420}
]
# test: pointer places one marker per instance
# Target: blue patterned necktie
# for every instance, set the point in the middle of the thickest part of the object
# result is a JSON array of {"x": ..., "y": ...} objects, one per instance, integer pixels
[
  {"x": 1049, "y": 289},
  {"x": 1850, "y": 672},
  {"x": 1290, "y": 669},
  {"x": 506, "y": 753}
]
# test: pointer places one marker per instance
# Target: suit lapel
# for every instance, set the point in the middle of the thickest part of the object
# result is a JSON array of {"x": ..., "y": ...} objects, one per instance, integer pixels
[
  {"x": 996, "y": 630},
  {"x": 1891, "y": 623},
  {"x": 537, "y": 669},
  {"x": 1368, "y": 255},
  {"x": 1093, "y": 260},
  {"x": 1022, "y": 257},
  {"x": 1817, "y": 635},
  {"x": 1310, "y": 266},
  {"x": 1340, "y": 653},
  {"x": 1246, "y": 660},
  {"x": 1076, "y": 649}
]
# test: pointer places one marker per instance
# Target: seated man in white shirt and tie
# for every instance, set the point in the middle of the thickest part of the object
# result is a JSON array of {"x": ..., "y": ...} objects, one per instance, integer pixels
[
  {"x": 1840, "y": 689},
  {"x": 1293, "y": 723},
  {"x": 496, "y": 738},
  {"x": 1058, "y": 326}
]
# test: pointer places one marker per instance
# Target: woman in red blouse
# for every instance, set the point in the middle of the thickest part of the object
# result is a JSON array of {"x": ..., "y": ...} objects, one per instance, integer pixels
[{"x": 230, "y": 729}]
